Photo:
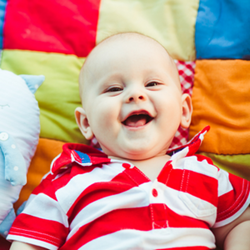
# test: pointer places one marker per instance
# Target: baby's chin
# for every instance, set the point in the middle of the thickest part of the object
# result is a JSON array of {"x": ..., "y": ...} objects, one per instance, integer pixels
[{"x": 134, "y": 157}]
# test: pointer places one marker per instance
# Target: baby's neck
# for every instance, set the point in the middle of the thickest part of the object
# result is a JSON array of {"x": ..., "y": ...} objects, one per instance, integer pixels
[{"x": 150, "y": 167}]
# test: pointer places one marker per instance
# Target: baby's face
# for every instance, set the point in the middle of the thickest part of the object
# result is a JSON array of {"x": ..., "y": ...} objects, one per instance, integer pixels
[{"x": 133, "y": 102}]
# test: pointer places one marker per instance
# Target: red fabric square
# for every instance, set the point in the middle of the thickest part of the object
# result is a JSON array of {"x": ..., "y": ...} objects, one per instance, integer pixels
[{"x": 61, "y": 26}]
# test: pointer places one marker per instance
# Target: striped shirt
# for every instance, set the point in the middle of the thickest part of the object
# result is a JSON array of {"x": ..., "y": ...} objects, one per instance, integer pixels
[{"x": 89, "y": 201}]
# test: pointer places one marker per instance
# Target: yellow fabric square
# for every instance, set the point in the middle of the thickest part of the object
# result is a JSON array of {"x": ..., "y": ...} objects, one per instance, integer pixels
[
  {"x": 170, "y": 22},
  {"x": 236, "y": 164},
  {"x": 58, "y": 96},
  {"x": 221, "y": 100}
]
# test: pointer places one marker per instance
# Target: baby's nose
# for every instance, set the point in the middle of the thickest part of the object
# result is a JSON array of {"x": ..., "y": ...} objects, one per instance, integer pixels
[{"x": 136, "y": 97}]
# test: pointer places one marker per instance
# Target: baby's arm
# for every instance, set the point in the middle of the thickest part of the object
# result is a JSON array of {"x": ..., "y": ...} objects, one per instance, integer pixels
[
  {"x": 16, "y": 245},
  {"x": 236, "y": 234}
]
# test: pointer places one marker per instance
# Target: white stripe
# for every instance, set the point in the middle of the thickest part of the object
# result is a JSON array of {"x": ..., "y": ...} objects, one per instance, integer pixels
[
  {"x": 235, "y": 216},
  {"x": 184, "y": 204},
  {"x": 202, "y": 167},
  {"x": 154, "y": 239},
  {"x": 224, "y": 183},
  {"x": 43, "y": 204},
  {"x": 134, "y": 197},
  {"x": 69, "y": 193},
  {"x": 31, "y": 241}
]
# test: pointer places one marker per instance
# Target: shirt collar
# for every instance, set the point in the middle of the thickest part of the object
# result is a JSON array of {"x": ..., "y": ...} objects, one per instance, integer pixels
[
  {"x": 81, "y": 154},
  {"x": 87, "y": 156}
]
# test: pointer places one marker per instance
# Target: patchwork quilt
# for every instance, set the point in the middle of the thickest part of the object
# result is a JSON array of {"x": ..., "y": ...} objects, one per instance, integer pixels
[{"x": 209, "y": 40}]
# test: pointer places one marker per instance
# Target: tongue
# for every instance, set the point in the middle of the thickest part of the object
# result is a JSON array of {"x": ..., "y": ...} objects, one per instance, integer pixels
[{"x": 136, "y": 121}]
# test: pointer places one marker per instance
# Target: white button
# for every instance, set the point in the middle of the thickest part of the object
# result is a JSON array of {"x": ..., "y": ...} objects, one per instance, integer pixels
[
  {"x": 16, "y": 168},
  {"x": 4, "y": 136},
  {"x": 13, "y": 146},
  {"x": 36, "y": 86}
]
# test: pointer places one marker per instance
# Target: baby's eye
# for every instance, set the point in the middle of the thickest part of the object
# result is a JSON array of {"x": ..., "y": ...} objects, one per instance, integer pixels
[
  {"x": 152, "y": 84},
  {"x": 114, "y": 89}
]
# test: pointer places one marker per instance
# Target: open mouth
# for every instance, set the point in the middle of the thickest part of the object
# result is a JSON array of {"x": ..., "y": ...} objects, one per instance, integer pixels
[{"x": 137, "y": 120}]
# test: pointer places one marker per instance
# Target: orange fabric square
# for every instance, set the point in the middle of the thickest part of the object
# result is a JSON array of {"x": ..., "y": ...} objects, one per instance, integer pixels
[
  {"x": 46, "y": 151},
  {"x": 221, "y": 100}
]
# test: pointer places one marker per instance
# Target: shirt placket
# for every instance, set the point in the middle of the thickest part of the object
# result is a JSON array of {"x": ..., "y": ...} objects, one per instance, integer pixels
[{"x": 158, "y": 209}]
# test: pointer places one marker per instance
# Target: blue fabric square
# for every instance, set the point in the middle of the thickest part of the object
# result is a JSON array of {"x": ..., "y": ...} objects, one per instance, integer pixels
[
  {"x": 2, "y": 15},
  {"x": 223, "y": 29}
]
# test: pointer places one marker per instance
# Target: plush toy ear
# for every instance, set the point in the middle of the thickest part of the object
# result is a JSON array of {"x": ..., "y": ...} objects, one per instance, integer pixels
[
  {"x": 15, "y": 167},
  {"x": 33, "y": 82}
]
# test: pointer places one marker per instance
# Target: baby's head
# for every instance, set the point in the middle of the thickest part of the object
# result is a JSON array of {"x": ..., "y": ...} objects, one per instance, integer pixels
[{"x": 131, "y": 97}]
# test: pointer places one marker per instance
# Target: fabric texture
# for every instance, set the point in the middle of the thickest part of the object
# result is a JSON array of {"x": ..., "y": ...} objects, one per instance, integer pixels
[
  {"x": 48, "y": 34},
  {"x": 221, "y": 99},
  {"x": 58, "y": 96},
  {"x": 220, "y": 30},
  {"x": 171, "y": 23},
  {"x": 86, "y": 191},
  {"x": 236, "y": 164}
]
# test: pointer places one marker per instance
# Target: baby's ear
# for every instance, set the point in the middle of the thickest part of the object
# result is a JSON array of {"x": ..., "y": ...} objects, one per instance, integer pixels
[
  {"x": 187, "y": 110},
  {"x": 83, "y": 123}
]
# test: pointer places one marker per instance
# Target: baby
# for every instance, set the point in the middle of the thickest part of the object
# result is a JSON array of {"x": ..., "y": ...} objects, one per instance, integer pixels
[{"x": 136, "y": 194}]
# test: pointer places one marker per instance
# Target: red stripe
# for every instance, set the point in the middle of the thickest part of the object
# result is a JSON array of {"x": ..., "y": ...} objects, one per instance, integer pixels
[
  {"x": 120, "y": 183},
  {"x": 201, "y": 186},
  {"x": 176, "y": 220},
  {"x": 48, "y": 231},
  {"x": 49, "y": 185},
  {"x": 186, "y": 248},
  {"x": 188, "y": 181},
  {"x": 46, "y": 187},
  {"x": 231, "y": 202},
  {"x": 67, "y": 26},
  {"x": 135, "y": 218}
]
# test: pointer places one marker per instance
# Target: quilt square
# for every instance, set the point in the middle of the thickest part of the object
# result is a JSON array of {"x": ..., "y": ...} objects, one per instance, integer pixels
[
  {"x": 67, "y": 26},
  {"x": 171, "y": 23},
  {"x": 58, "y": 96},
  {"x": 221, "y": 99},
  {"x": 222, "y": 29}
]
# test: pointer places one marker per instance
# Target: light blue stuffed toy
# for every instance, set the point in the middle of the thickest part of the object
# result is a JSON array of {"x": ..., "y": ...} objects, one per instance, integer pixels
[{"x": 19, "y": 135}]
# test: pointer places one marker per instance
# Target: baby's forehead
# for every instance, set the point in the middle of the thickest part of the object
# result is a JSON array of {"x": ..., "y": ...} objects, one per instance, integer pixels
[
  {"x": 121, "y": 42},
  {"x": 127, "y": 41},
  {"x": 118, "y": 43}
]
